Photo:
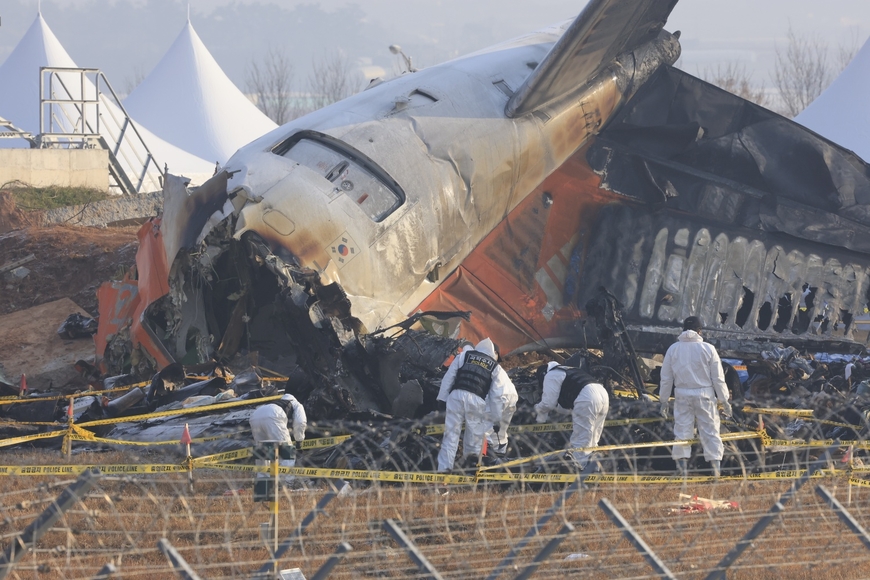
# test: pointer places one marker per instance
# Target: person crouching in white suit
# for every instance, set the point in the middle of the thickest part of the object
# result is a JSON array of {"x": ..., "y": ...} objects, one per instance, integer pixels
[
  {"x": 474, "y": 388},
  {"x": 572, "y": 388},
  {"x": 271, "y": 422}
]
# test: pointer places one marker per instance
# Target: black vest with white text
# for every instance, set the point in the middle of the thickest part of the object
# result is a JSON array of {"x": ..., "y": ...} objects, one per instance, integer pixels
[{"x": 475, "y": 374}]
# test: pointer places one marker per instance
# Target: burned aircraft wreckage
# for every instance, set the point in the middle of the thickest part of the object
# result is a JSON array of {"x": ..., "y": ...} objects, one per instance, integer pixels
[{"x": 534, "y": 185}]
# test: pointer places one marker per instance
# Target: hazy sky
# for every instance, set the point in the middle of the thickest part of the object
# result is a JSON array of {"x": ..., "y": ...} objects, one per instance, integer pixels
[{"x": 126, "y": 38}]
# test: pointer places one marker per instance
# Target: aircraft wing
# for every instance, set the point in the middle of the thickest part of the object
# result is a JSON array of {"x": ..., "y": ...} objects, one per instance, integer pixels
[{"x": 603, "y": 30}]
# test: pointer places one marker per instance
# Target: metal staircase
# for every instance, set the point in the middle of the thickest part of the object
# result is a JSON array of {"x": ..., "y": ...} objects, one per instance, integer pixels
[
  {"x": 79, "y": 109},
  {"x": 10, "y": 131}
]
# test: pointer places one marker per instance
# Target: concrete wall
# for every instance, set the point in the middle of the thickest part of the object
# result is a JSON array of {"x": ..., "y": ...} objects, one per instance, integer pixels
[{"x": 64, "y": 167}]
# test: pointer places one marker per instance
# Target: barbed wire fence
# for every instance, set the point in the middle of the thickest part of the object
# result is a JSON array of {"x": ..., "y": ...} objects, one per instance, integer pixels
[{"x": 626, "y": 516}]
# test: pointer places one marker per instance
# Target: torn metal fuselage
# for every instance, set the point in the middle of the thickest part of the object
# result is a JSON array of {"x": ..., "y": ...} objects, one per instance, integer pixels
[{"x": 362, "y": 203}]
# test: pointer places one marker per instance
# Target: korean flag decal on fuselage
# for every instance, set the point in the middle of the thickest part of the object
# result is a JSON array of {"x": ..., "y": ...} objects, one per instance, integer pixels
[{"x": 342, "y": 250}]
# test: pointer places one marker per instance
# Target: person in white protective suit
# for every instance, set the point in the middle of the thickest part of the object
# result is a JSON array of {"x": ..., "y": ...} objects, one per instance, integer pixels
[
  {"x": 476, "y": 390},
  {"x": 503, "y": 394},
  {"x": 693, "y": 369},
  {"x": 271, "y": 422},
  {"x": 574, "y": 389}
]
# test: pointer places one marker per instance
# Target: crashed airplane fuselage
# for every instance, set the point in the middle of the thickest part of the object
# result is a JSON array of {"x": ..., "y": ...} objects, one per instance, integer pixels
[
  {"x": 382, "y": 194},
  {"x": 386, "y": 190},
  {"x": 511, "y": 183}
]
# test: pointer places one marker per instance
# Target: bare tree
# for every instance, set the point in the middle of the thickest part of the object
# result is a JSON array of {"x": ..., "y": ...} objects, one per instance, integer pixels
[
  {"x": 131, "y": 82},
  {"x": 270, "y": 81},
  {"x": 734, "y": 79},
  {"x": 848, "y": 49},
  {"x": 332, "y": 79},
  {"x": 801, "y": 71}
]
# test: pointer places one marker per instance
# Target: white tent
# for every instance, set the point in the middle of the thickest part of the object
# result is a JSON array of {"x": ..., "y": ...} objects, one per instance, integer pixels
[
  {"x": 841, "y": 113},
  {"x": 189, "y": 101},
  {"x": 19, "y": 77},
  {"x": 19, "y": 100}
]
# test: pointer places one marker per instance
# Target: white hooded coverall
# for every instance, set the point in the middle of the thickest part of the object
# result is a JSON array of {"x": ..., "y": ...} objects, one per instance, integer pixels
[
  {"x": 479, "y": 415},
  {"x": 269, "y": 423},
  {"x": 693, "y": 368},
  {"x": 589, "y": 413}
]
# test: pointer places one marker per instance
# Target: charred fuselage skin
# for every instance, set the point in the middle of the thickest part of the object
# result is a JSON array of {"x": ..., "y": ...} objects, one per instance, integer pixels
[{"x": 456, "y": 163}]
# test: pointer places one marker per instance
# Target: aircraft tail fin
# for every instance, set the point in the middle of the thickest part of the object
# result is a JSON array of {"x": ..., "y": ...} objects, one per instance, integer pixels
[{"x": 601, "y": 32}]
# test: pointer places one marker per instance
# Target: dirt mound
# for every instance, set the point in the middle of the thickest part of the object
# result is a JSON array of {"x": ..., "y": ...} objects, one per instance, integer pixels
[
  {"x": 11, "y": 217},
  {"x": 70, "y": 262}
]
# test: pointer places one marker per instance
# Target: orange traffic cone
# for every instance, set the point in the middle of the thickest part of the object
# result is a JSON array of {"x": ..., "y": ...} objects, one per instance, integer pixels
[{"x": 22, "y": 388}]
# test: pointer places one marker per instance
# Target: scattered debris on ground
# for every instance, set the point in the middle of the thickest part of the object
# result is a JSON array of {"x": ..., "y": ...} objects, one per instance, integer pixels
[{"x": 68, "y": 262}]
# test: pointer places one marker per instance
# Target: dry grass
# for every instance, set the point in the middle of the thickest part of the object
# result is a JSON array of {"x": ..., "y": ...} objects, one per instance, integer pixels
[{"x": 464, "y": 533}]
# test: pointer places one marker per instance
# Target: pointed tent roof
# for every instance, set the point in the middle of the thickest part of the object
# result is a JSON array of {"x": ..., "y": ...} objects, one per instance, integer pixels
[
  {"x": 19, "y": 74},
  {"x": 188, "y": 100},
  {"x": 841, "y": 112},
  {"x": 19, "y": 97}
]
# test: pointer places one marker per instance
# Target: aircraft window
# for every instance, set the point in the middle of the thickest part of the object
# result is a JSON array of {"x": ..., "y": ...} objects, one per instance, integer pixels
[{"x": 367, "y": 189}]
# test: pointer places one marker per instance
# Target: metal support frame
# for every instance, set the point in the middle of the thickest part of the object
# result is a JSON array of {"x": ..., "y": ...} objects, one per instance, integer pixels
[
  {"x": 545, "y": 552},
  {"x": 332, "y": 562},
  {"x": 635, "y": 539},
  {"x": 92, "y": 121},
  {"x": 179, "y": 564},
  {"x": 721, "y": 568},
  {"x": 414, "y": 553},
  {"x": 844, "y": 515},
  {"x": 534, "y": 530},
  {"x": 67, "y": 499},
  {"x": 266, "y": 568}
]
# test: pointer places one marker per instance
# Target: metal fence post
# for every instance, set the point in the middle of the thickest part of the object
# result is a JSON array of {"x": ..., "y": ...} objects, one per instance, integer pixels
[
  {"x": 179, "y": 564},
  {"x": 106, "y": 572},
  {"x": 557, "y": 505},
  {"x": 266, "y": 568},
  {"x": 635, "y": 539},
  {"x": 545, "y": 552},
  {"x": 844, "y": 515},
  {"x": 326, "y": 569},
  {"x": 718, "y": 573},
  {"x": 413, "y": 552},
  {"x": 32, "y": 533}
]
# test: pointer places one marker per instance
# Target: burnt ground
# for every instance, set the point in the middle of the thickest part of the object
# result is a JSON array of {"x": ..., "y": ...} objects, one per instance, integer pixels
[{"x": 71, "y": 262}]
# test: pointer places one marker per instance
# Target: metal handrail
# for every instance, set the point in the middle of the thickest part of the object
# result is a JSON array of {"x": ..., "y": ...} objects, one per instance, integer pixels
[{"x": 112, "y": 135}]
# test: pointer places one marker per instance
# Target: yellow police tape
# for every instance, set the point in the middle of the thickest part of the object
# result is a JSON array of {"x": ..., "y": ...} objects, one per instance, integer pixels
[
  {"x": 804, "y": 413},
  {"x": 79, "y": 434},
  {"x": 552, "y": 427},
  {"x": 800, "y": 443},
  {"x": 859, "y": 482},
  {"x": 324, "y": 442},
  {"x": 173, "y": 412},
  {"x": 416, "y": 477},
  {"x": 481, "y": 476},
  {"x": 603, "y": 448},
  {"x": 77, "y": 469},
  {"x": 15, "y": 400},
  {"x": 34, "y": 437}
]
